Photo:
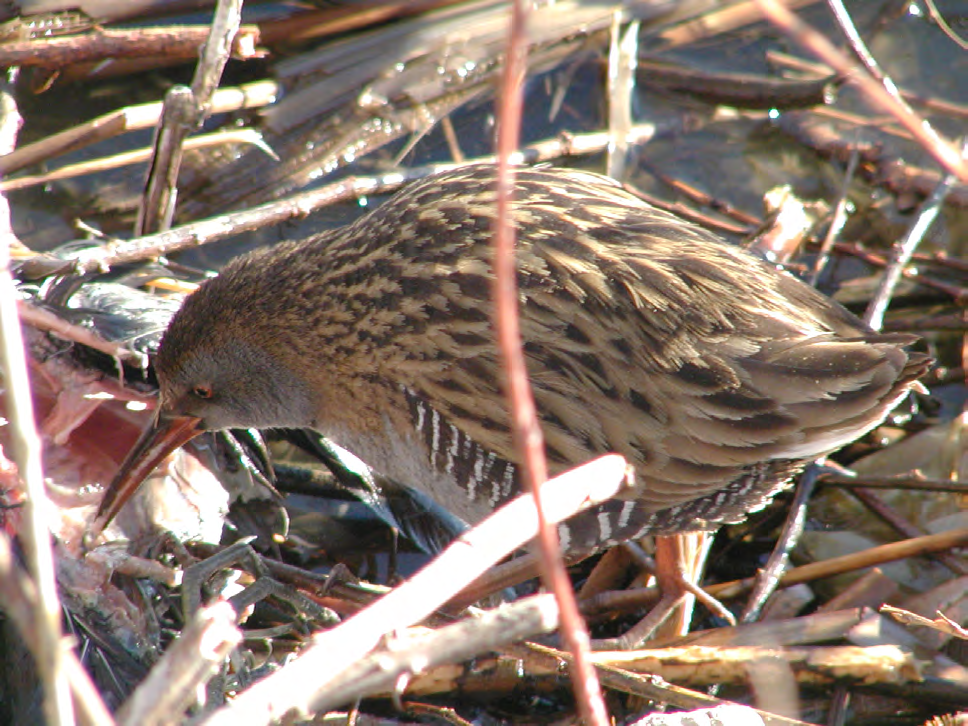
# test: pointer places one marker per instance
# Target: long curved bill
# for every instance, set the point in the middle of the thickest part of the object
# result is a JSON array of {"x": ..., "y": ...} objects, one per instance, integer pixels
[{"x": 165, "y": 434}]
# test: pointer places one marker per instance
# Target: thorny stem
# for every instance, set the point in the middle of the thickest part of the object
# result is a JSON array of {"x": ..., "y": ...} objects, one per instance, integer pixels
[{"x": 527, "y": 433}]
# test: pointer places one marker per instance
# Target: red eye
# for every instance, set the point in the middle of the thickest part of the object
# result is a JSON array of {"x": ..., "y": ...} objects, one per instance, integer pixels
[{"x": 202, "y": 391}]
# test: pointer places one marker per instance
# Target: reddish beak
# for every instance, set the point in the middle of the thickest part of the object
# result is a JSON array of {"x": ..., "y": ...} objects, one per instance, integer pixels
[{"x": 161, "y": 438}]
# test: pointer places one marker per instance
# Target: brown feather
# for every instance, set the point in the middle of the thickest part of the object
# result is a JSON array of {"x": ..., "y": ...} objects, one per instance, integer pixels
[{"x": 715, "y": 374}]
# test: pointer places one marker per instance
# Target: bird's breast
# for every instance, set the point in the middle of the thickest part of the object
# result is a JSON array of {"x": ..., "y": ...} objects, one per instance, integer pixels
[{"x": 421, "y": 449}]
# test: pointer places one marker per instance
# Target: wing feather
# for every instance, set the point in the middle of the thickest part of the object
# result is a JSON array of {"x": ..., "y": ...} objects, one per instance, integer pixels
[{"x": 654, "y": 338}]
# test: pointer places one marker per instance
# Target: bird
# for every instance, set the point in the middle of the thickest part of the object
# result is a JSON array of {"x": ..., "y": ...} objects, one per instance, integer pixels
[{"x": 716, "y": 374}]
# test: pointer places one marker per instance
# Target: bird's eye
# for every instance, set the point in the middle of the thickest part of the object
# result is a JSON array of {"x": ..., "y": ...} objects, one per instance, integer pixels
[{"x": 202, "y": 391}]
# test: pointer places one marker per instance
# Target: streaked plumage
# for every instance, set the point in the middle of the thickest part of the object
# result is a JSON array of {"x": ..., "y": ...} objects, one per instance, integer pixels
[{"x": 716, "y": 375}]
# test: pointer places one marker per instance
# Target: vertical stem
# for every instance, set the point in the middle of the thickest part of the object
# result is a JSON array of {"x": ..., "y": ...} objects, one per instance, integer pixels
[
  {"x": 528, "y": 439},
  {"x": 26, "y": 452}
]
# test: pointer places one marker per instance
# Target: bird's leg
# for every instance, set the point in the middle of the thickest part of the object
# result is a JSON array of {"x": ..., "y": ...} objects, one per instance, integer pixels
[
  {"x": 670, "y": 576},
  {"x": 679, "y": 560}
]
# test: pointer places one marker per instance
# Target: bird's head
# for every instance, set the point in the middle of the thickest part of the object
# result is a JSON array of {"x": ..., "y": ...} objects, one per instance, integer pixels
[
  {"x": 239, "y": 385},
  {"x": 234, "y": 355},
  {"x": 217, "y": 369}
]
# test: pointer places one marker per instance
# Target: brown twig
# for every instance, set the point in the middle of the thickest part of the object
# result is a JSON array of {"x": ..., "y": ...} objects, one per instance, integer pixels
[
  {"x": 932, "y": 104},
  {"x": 876, "y": 164},
  {"x": 183, "y": 42},
  {"x": 856, "y": 561},
  {"x": 188, "y": 663},
  {"x": 943, "y": 151},
  {"x": 649, "y": 686},
  {"x": 19, "y": 599},
  {"x": 526, "y": 431},
  {"x": 769, "y": 576},
  {"x": 185, "y": 108},
  {"x": 696, "y": 667},
  {"x": 837, "y": 222},
  {"x": 301, "y": 205},
  {"x": 130, "y": 118},
  {"x": 811, "y": 664},
  {"x": 818, "y": 627},
  {"x": 46, "y": 320},
  {"x": 384, "y": 668},
  {"x": 901, "y": 482},
  {"x": 737, "y": 90},
  {"x": 958, "y": 294},
  {"x": 699, "y": 198},
  {"x": 890, "y": 516},
  {"x": 343, "y": 19},
  {"x": 903, "y": 250},
  {"x": 126, "y": 158},
  {"x": 941, "y": 623},
  {"x": 26, "y": 451},
  {"x": 295, "y": 688}
]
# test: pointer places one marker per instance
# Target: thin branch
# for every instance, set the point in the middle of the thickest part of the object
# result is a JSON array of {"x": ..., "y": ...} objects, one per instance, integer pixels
[
  {"x": 528, "y": 439},
  {"x": 768, "y": 577},
  {"x": 127, "y": 158},
  {"x": 943, "y": 151},
  {"x": 43, "y": 319},
  {"x": 175, "y": 41},
  {"x": 26, "y": 451},
  {"x": 184, "y": 111},
  {"x": 295, "y": 688},
  {"x": 903, "y": 251},
  {"x": 188, "y": 663},
  {"x": 622, "y": 63},
  {"x": 100, "y": 259},
  {"x": 19, "y": 601},
  {"x": 131, "y": 118},
  {"x": 837, "y": 221},
  {"x": 848, "y": 563}
]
